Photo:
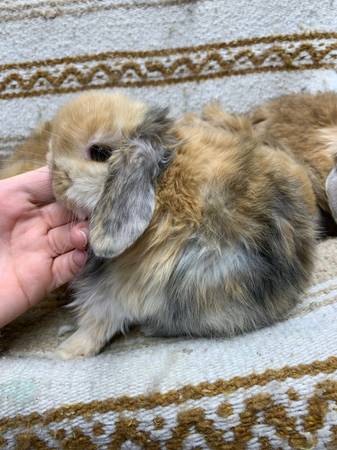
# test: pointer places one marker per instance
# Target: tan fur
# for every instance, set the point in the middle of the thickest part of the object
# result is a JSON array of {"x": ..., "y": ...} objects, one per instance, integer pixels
[
  {"x": 328, "y": 136},
  {"x": 30, "y": 155},
  {"x": 181, "y": 198},
  {"x": 240, "y": 158},
  {"x": 91, "y": 117},
  {"x": 208, "y": 156},
  {"x": 227, "y": 246},
  {"x": 94, "y": 116},
  {"x": 304, "y": 126}
]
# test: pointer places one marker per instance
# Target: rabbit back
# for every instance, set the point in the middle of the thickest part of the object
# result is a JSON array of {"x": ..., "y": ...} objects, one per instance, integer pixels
[
  {"x": 230, "y": 245},
  {"x": 304, "y": 126}
]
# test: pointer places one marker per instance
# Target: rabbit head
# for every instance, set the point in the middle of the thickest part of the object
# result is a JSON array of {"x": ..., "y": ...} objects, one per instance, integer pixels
[{"x": 106, "y": 153}]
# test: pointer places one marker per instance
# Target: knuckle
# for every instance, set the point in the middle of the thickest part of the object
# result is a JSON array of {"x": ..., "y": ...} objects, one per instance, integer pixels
[
  {"x": 58, "y": 240},
  {"x": 54, "y": 243}
]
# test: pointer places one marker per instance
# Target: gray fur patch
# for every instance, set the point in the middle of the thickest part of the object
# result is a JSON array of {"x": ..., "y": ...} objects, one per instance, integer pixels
[
  {"x": 156, "y": 130},
  {"x": 155, "y": 126},
  {"x": 233, "y": 289},
  {"x": 204, "y": 295},
  {"x": 126, "y": 206}
]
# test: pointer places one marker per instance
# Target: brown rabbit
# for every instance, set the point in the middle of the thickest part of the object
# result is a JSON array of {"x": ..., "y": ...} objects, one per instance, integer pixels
[
  {"x": 29, "y": 155},
  {"x": 196, "y": 227},
  {"x": 305, "y": 127}
]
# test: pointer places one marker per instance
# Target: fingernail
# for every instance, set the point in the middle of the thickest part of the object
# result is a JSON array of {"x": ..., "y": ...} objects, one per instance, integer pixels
[
  {"x": 85, "y": 234},
  {"x": 79, "y": 257}
]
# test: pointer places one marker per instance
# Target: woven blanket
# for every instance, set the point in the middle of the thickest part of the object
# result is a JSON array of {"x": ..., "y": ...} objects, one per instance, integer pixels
[
  {"x": 180, "y": 53},
  {"x": 272, "y": 389}
]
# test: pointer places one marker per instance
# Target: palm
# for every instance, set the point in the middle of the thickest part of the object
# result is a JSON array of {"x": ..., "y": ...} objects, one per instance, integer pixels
[
  {"x": 31, "y": 257},
  {"x": 36, "y": 243}
]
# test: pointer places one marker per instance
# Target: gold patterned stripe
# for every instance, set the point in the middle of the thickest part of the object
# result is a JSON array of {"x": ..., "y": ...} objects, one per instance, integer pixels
[
  {"x": 262, "y": 418},
  {"x": 168, "y": 66},
  {"x": 265, "y": 418},
  {"x": 51, "y": 10},
  {"x": 288, "y": 39},
  {"x": 174, "y": 397},
  {"x": 149, "y": 83}
]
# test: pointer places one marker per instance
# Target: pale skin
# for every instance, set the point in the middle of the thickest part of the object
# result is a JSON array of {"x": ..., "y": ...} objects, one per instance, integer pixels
[{"x": 40, "y": 247}]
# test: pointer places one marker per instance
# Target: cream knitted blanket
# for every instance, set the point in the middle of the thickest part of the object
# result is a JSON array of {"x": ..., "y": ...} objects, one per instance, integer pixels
[
  {"x": 272, "y": 389},
  {"x": 180, "y": 53}
]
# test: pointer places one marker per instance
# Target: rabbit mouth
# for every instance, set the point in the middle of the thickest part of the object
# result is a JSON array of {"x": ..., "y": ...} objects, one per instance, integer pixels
[
  {"x": 82, "y": 200},
  {"x": 80, "y": 213}
]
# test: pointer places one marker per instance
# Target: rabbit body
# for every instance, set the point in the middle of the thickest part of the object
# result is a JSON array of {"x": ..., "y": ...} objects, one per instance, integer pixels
[
  {"x": 225, "y": 236},
  {"x": 304, "y": 126},
  {"x": 30, "y": 155},
  {"x": 197, "y": 227}
]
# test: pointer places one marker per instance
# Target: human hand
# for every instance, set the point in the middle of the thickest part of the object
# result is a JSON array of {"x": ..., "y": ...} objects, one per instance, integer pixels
[{"x": 40, "y": 249}]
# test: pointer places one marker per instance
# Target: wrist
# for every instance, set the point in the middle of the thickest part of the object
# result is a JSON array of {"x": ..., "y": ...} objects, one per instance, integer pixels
[{"x": 12, "y": 305}]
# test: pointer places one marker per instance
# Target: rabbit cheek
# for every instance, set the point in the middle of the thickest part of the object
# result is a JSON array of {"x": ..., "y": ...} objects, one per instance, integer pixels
[
  {"x": 61, "y": 183},
  {"x": 78, "y": 185},
  {"x": 84, "y": 193}
]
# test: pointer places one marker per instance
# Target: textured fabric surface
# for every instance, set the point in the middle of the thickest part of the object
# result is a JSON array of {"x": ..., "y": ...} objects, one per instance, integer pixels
[
  {"x": 272, "y": 389},
  {"x": 180, "y": 53}
]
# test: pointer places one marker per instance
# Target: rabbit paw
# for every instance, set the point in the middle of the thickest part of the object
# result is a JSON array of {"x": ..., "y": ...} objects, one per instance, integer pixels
[
  {"x": 65, "y": 329},
  {"x": 78, "y": 345}
]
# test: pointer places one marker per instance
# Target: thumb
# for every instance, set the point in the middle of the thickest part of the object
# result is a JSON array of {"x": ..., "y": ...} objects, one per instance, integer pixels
[{"x": 66, "y": 266}]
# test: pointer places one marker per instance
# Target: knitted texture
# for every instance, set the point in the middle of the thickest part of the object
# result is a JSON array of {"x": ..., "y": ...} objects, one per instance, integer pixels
[
  {"x": 272, "y": 389},
  {"x": 181, "y": 53}
]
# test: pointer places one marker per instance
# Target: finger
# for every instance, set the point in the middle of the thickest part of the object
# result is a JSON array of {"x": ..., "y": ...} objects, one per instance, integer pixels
[
  {"x": 79, "y": 235},
  {"x": 37, "y": 184},
  {"x": 67, "y": 237},
  {"x": 66, "y": 266},
  {"x": 55, "y": 215}
]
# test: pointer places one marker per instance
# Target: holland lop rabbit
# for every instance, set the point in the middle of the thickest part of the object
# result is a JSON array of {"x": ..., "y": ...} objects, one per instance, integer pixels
[
  {"x": 197, "y": 227},
  {"x": 305, "y": 127}
]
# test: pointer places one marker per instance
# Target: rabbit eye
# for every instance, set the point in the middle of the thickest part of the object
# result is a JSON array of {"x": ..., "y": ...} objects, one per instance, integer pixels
[{"x": 99, "y": 152}]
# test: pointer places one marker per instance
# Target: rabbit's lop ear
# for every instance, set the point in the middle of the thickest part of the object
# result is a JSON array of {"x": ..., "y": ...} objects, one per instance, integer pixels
[{"x": 127, "y": 203}]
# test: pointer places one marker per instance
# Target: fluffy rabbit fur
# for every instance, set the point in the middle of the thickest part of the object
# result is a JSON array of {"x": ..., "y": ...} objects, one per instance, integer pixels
[
  {"x": 197, "y": 227},
  {"x": 305, "y": 127}
]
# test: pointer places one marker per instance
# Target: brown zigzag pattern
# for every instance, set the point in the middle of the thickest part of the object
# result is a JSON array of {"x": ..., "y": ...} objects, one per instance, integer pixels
[
  {"x": 168, "y": 66},
  {"x": 176, "y": 397},
  {"x": 300, "y": 431}
]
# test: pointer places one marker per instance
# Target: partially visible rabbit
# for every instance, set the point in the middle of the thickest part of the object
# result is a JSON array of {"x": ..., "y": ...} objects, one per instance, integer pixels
[
  {"x": 30, "y": 155},
  {"x": 305, "y": 127},
  {"x": 196, "y": 227},
  {"x": 331, "y": 190}
]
